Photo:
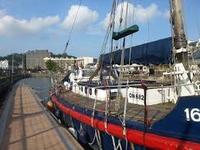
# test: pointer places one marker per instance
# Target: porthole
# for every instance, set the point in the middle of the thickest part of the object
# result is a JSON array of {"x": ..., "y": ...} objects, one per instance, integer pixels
[
  {"x": 90, "y": 91},
  {"x": 95, "y": 91},
  {"x": 85, "y": 90}
]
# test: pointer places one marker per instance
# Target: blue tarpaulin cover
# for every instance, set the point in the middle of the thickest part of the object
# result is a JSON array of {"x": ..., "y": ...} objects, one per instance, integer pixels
[{"x": 156, "y": 52}]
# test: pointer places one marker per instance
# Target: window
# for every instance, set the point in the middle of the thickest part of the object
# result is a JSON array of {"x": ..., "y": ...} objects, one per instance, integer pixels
[
  {"x": 85, "y": 90},
  {"x": 95, "y": 91},
  {"x": 90, "y": 91}
]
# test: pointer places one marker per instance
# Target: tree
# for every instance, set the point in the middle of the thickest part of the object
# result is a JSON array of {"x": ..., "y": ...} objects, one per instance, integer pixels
[{"x": 51, "y": 66}]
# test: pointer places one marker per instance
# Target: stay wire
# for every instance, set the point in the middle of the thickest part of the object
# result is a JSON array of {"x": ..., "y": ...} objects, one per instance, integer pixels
[{"x": 72, "y": 27}]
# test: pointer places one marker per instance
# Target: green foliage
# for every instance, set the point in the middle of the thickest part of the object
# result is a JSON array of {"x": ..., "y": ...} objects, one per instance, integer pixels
[
  {"x": 62, "y": 55},
  {"x": 51, "y": 66},
  {"x": 17, "y": 59}
]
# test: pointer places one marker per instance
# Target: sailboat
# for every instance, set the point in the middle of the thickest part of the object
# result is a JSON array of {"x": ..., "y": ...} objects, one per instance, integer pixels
[{"x": 112, "y": 113}]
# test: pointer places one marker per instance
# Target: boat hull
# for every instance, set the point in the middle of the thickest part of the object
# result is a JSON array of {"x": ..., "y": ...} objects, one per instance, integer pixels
[{"x": 97, "y": 132}]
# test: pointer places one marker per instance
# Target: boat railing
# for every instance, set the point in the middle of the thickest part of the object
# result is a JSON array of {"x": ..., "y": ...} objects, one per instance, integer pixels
[{"x": 150, "y": 87}]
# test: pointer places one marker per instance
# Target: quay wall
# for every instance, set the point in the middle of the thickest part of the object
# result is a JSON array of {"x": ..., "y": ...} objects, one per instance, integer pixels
[{"x": 6, "y": 83}]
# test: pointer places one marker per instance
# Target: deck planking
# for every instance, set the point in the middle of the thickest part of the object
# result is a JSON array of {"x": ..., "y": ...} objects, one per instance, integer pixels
[{"x": 134, "y": 112}]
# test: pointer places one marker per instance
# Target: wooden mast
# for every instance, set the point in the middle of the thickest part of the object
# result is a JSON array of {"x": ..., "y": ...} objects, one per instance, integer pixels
[
  {"x": 183, "y": 81},
  {"x": 179, "y": 37}
]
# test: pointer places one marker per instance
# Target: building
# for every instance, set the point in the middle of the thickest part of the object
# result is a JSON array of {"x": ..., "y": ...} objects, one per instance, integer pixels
[
  {"x": 4, "y": 64},
  {"x": 67, "y": 63},
  {"x": 64, "y": 63},
  {"x": 84, "y": 61},
  {"x": 35, "y": 59}
]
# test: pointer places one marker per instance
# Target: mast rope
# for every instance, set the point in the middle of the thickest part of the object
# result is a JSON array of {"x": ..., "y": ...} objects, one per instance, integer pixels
[
  {"x": 93, "y": 111},
  {"x": 173, "y": 53},
  {"x": 127, "y": 86},
  {"x": 117, "y": 106},
  {"x": 97, "y": 138},
  {"x": 119, "y": 146},
  {"x": 108, "y": 33},
  {"x": 121, "y": 14},
  {"x": 106, "y": 107},
  {"x": 112, "y": 30},
  {"x": 109, "y": 27},
  {"x": 72, "y": 27},
  {"x": 119, "y": 27}
]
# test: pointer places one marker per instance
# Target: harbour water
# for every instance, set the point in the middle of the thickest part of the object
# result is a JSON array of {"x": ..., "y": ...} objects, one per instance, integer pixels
[{"x": 40, "y": 86}]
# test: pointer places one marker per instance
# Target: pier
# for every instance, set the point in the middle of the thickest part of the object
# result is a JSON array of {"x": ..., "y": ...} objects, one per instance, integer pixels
[{"x": 26, "y": 125}]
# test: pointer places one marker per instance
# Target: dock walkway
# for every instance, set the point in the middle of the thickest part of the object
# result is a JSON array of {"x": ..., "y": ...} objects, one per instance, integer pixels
[{"x": 30, "y": 127}]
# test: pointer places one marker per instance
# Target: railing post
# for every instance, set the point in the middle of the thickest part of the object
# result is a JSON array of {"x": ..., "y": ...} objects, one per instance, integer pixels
[{"x": 144, "y": 87}]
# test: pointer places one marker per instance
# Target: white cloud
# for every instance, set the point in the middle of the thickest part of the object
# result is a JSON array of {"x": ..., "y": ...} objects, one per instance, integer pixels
[
  {"x": 166, "y": 14},
  {"x": 84, "y": 18},
  {"x": 10, "y": 26},
  {"x": 145, "y": 14},
  {"x": 136, "y": 13}
]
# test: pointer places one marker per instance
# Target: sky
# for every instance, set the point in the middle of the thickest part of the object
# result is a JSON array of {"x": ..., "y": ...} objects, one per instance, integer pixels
[{"x": 46, "y": 24}]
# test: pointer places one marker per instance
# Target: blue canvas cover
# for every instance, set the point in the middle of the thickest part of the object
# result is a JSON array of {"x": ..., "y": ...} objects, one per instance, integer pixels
[{"x": 156, "y": 52}]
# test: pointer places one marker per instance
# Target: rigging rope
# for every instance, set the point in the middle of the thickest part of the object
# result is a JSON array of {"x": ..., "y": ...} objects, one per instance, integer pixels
[
  {"x": 105, "y": 41},
  {"x": 93, "y": 110},
  {"x": 72, "y": 28},
  {"x": 173, "y": 53},
  {"x": 119, "y": 146},
  {"x": 117, "y": 106},
  {"x": 109, "y": 27},
  {"x": 112, "y": 30},
  {"x": 97, "y": 138},
  {"x": 132, "y": 20},
  {"x": 106, "y": 106}
]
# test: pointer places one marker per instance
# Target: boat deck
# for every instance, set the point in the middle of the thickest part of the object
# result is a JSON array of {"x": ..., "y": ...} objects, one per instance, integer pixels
[{"x": 134, "y": 112}]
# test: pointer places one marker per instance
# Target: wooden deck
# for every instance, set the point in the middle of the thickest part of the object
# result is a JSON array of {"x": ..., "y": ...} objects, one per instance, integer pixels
[
  {"x": 30, "y": 127},
  {"x": 134, "y": 112}
]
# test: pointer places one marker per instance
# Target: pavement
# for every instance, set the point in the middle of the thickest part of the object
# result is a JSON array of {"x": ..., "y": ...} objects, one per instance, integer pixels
[{"x": 31, "y": 127}]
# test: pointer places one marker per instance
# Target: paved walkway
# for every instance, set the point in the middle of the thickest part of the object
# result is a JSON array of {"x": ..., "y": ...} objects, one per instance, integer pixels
[{"x": 31, "y": 128}]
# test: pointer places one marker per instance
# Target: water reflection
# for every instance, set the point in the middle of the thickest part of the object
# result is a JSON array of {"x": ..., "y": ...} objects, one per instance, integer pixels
[{"x": 41, "y": 86}]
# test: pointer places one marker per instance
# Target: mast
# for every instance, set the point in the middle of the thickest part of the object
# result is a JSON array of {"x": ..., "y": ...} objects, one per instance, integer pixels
[
  {"x": 179, "y": 37},
  {"x": 183, "y": 81},
  {"x": 12, "y": 68},
  {"x": 22, "y": 63}
]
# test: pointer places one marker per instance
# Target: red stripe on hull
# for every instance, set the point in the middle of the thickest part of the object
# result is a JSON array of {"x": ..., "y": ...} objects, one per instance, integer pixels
[{"x": 134, "y": 136}]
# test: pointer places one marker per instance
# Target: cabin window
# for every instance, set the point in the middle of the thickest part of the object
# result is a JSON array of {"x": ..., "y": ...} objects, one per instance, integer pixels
[
  {"x": 85, "y": 90},
  {"x": 90, "y": 91},
  {"x": 95, "y": 91}
]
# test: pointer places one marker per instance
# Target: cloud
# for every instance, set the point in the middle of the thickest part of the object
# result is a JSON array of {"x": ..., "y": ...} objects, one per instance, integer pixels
[
  {"x": 136, "y": 13},
  {"x": 166, "y": 14},
  {"x": 11, "y": 26},
  {"x": 145, "y": 14},
  {"x": 84, "y": 18}
]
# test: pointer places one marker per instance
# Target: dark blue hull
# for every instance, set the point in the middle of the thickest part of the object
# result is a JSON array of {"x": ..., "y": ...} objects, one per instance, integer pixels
[{"x": 174, "y": 131}]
